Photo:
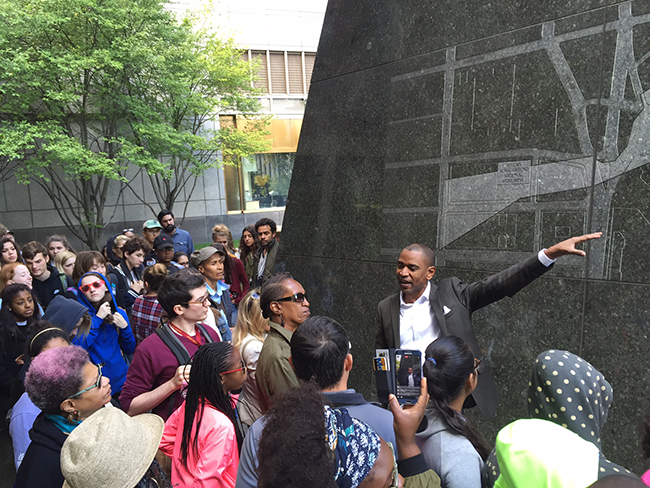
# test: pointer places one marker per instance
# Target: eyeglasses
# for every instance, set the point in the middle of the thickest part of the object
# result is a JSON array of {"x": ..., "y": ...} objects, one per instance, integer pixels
[
  {"x": 298, "y": 298},
  {"x": 200, "y": 301},
  {"x": 95, "y": 284},
  {"x": 124, "y": 231},
  {"x": 243, "y": 368},
  {"x": 394, "y": 477},
  {"x": 95, "y": 385}
]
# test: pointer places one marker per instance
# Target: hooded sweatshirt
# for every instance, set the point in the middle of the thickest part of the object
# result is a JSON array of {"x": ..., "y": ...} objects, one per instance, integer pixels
[
  {"x": 537, "y": 453},
  {"x": 64, "y": 313},
  {"x": 568, "y": 391},
  {"x": 448, "y": 453},
  {"x": 41, "y": 466},
  {"x": 106, "y": 342}
]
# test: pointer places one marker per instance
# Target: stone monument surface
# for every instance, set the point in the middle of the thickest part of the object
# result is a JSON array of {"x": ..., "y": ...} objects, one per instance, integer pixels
[{"x": 486, "y": 130}]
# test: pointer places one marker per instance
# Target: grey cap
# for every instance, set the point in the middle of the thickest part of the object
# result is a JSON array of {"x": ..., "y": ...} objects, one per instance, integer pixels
[{"x": 201, "y": 255}]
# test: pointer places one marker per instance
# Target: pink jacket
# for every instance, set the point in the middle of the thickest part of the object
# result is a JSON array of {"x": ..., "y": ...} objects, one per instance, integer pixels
[{"x": 216, "y": 464}]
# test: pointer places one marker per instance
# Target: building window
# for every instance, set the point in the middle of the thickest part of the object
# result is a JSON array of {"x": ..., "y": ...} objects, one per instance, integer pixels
[
  {"x": 261, "y": 181},
  {"x": 283, "y": 72}
]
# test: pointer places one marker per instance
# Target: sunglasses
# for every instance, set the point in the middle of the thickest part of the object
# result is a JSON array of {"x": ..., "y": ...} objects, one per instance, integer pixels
[
  {"x": 243, "y": 368},
  {"x": 95, "y": 385},
  {"x": 95, "y": 284},
  {"x": 298, "y": 298}
]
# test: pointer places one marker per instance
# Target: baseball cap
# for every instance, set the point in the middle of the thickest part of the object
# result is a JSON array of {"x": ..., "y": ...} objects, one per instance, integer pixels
[
  {"x": 162, "y": 241},
  {"x": 151, "y": 224}
]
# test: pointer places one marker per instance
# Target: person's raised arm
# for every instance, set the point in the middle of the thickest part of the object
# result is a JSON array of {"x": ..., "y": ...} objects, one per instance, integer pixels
[
  {"x": 151, "y": 399},
  {"x": 567, "y": 247}
]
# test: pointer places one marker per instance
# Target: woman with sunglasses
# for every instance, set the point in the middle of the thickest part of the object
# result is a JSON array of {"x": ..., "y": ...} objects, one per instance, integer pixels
[
  {"x": 451, "y": 446},
  {"x": 68, "y": 388},
  {"x": 203, "y": 437},
  {"x": 110, "y": 337}
]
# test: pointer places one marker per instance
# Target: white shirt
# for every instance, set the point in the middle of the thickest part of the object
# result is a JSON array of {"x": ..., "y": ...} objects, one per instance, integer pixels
[{"x": 418, "y": 326}]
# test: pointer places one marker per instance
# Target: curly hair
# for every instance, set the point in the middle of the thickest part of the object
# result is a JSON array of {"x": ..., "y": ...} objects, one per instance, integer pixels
[
  {"x": 221, "y": 230},
  {"x": 293, "y": 452},
  {"x": 55, "y": 375}
]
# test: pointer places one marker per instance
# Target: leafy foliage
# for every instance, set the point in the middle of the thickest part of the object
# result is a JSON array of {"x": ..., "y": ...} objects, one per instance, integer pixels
[{"x": 90, "y": 87}]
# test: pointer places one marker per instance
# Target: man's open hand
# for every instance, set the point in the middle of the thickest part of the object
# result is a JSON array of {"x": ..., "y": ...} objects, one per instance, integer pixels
[{"x": 569, "y": 246}]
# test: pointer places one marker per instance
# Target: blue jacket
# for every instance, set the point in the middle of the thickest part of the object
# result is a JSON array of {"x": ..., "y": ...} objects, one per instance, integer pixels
[{"x": 105, "y": 342}]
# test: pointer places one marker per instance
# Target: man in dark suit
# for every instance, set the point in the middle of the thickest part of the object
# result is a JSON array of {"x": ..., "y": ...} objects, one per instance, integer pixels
[{"x": 424, "y": 311}]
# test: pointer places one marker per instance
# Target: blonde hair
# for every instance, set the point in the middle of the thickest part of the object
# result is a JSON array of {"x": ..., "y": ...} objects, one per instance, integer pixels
[
  {"x": 121, "y": 239},
  {"x": 222, "y": 230},
  {"x": 61, "y": 258},
  {"x": 249, "y": 319}
]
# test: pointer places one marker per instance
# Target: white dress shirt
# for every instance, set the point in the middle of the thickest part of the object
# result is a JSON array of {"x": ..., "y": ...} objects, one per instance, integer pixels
[{"x": 418, "y": 326}]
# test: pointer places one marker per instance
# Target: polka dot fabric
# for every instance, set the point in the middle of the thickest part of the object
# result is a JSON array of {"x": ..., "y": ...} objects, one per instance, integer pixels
[{"x": 569, "y": 391}]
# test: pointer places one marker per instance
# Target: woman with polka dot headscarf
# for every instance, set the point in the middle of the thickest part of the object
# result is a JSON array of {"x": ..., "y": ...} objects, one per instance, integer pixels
[{"x": 568, "y": 391}]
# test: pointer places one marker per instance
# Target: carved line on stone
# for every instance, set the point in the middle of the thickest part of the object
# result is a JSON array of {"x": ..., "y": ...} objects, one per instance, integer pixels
[
  {"x": 524, "y": 48},
  {"x": 409, "y": 210},
  {"x": 413, "y": 119},
  {"x": 496, "y": 155}
]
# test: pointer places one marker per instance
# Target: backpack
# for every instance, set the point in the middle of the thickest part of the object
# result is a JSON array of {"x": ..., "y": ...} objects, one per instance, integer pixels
[{"x": 177, "y": 348}]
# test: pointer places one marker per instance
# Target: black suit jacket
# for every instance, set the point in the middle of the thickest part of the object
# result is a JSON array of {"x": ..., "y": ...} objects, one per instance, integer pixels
[{"x": 462, "y": 300}]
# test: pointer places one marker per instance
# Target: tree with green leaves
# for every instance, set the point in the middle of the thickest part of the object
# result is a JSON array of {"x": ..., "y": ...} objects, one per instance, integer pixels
[{"x": 89, "y": 88}]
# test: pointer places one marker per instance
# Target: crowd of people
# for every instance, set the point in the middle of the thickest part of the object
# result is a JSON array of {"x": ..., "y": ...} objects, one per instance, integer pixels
[{"x": 152, "y": 363}]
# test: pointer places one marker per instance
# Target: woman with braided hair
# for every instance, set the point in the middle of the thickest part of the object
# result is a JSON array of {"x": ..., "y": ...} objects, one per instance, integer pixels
[
  {"x": 451, "y": 446},
  {"x": 204, "y": 436}
]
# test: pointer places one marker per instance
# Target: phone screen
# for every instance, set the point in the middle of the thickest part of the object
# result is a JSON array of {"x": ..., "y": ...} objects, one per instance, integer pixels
[{"x": 408, "y": 375}]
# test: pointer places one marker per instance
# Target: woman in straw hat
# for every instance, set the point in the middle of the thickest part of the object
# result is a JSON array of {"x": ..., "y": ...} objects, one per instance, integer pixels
[{"x": 113, "y": 450}]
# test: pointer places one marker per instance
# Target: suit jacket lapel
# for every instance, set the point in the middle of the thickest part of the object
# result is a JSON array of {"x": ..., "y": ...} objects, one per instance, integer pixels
[
  {"x": 394, "y": 317},
  {"x": 434, "y": 300}
]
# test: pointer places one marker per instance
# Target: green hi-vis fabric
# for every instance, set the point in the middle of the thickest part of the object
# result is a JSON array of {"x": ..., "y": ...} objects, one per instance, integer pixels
[{"x": 535, "y": 453}]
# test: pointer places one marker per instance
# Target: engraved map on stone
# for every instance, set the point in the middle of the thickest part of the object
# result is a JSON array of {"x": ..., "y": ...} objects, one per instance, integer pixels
[{"x": 530, "y": 136}]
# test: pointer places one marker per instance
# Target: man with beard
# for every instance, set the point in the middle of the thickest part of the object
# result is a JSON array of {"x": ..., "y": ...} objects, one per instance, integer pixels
[
  {"x": 264, "y": 261},
  {"x": 423, "y": 311},
  {"x": 182, "y": 238}
]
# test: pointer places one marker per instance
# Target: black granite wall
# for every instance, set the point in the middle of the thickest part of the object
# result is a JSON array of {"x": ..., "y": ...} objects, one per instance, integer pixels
[{"x": 487, "y": 130}]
